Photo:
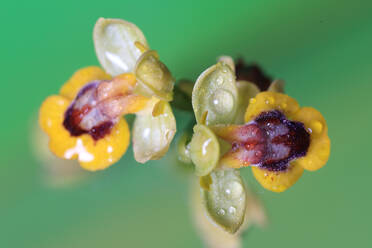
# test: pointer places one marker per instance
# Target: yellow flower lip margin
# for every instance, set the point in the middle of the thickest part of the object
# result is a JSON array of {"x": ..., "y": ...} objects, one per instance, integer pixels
[
  {"x": 319, "y": 148},
  {"x": 91, "y": 154}
]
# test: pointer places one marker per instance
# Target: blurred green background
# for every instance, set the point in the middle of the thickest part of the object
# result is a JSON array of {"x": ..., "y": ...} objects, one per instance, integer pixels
[{"x": 321, "y": 48}]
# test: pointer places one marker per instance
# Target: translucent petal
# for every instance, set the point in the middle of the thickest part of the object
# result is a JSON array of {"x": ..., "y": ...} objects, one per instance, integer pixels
[
  {"x": 152, "y": 135},
  {"x": 115, "y": 45},
  {"x": 215, "y": 92},
  {"x": 154, "y": 78},
  {"x": 246, "y": 91},
  {"x": 204, "y": 150},
  {"x": 227, "y": 60},
  {"x": 183, "y": 149},
  {"x": 226, "y": 199},
  {"x": 277, "y": 86},
  {"x": 212, "y": 234}
]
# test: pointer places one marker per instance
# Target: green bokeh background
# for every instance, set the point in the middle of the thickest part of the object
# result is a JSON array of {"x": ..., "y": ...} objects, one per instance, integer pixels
[{"x": 321, "y": 48}]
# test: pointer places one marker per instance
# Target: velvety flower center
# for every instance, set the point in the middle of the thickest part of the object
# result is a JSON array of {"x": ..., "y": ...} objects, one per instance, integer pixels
[
  {"x": 272, "y": 141},
  {"x": 84, "y": 115}
]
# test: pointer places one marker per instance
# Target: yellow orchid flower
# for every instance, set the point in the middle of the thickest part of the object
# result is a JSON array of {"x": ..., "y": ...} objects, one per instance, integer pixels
[
  {"x": 239, "y": 126},
  {"x": 84, "y": 121},
  {"x": 278, "y": 140}
]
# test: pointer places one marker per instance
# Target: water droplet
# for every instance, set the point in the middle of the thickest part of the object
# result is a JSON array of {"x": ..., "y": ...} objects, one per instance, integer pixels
[
  {"x": 205, "y": 147},
  {"x": 316, "y": 126},
  {"x": 224, "y": 70},
  {"x": 236, "y": 189},
  {"x": 270, "y": 100},
  {"x": 258, "y": 153},
  {"x": 222, "y": 101},
  {"x": 228, "y": 191},
  {"x": 232, "y": 210},
  {"x": 252, "y": 101},
  {"x": 219, "y": 80},
  {"x": 221, "y": 211}
]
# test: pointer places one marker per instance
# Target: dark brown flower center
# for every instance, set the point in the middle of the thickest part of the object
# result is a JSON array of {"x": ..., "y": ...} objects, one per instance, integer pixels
[
  {"x": 82, "y": 117},
  {"x": 276, "y": 142}
]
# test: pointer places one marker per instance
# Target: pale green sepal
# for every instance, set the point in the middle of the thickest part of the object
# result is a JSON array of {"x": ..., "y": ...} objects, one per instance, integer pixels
[
  {"x": 277, "y": 86},
  {"x": 154, "y": 78},
  {"x": 225, "y": 200},
  {"x": 153, "y": 132},
  {"x": 183, "y": 149},
  {"x": 227, "y": 60},
  {"x": 216, "y": 94},
  {"x": 246, "y": 91},
  {"x": 114, "y": 42},
  {"x": 204, "y": 150}
]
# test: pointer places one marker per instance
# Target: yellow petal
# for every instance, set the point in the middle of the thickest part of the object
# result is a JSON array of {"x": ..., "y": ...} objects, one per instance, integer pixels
[
  {"x": 278, "y": 181},
  {"x": 91, "y": 154},
  {"x": 313, "y": 121},
  {"x": 320, "y": 145},
  {"x": 109, "y": 149},
  {"x": 81, "y": 78},
  {"x": 51, "y": 112},
  {"x": 51, "y": 121},
  {"x": 267, "y": 101}
]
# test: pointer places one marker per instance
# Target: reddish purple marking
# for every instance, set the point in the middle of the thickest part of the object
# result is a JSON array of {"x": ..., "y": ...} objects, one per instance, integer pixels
[
  {"x": 74, "y": 115},
  {"x": 274, "y": 141}
]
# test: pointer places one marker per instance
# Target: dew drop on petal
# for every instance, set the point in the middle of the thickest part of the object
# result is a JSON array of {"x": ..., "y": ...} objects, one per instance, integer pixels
[
  {"x": 316, "y": 126},
  {"x": 221, "y": 211},
  {"x": 219, "y": 80},
  {"x": 228, "y": 191},
  {"x": 236, "y": 189},
  {"x": 222, "y": 101},
  {"x": 232, "y": 210}
]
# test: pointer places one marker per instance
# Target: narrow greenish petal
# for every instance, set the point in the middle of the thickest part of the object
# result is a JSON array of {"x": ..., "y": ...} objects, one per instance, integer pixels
[
  {"x": 183, "y": 148},
  {"x": 225, "y": 200},
  {"x": 154, "y": 78},
  {"x": 212, "y": 234},
  {"x": 277, "y": 86},
  {"x": 204, "y": 150},
  {"x": 246, "y": 91},
  {"x": 115, "y": 44},
  {"x": 228, "y": 61},
  {"x": 152, "y": 135},
  {"x": 216, "y": 94}
]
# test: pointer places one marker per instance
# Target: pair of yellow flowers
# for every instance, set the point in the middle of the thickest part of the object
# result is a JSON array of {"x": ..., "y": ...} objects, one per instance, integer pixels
[{"x": 85, "y": 121}]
